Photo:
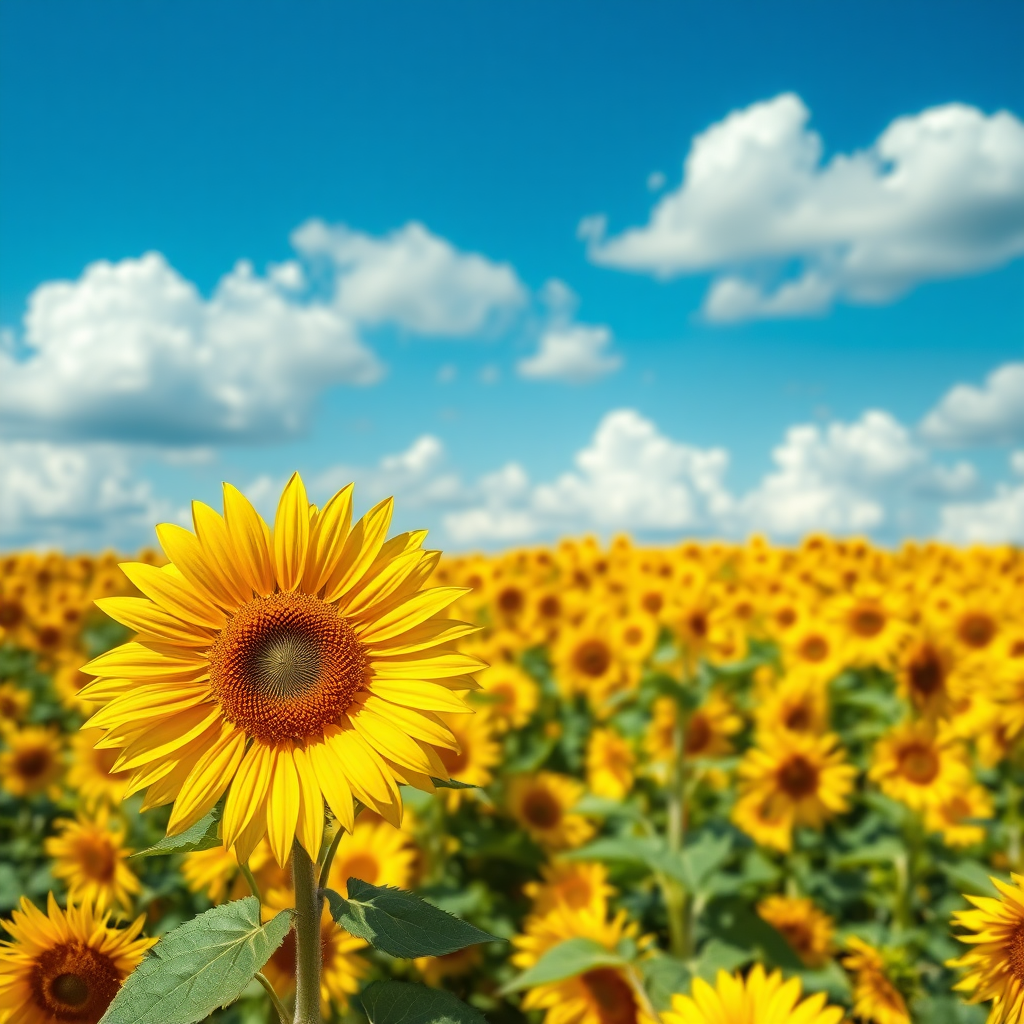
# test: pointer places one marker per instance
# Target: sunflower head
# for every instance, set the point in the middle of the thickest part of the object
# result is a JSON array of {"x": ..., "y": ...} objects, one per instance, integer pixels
[
  {"x": 808, "y": 930},
  {"x": 33, "y": 761},
  {"x": 876, "y": 996},
  {"x": 289, "y": 666},
  {"x": 65, "y": 965},
  {"x": 542, "y": 804}
]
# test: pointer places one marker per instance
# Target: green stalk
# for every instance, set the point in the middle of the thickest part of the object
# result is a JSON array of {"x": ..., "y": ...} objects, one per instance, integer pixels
[
  {"x": 308, "y": 904},
  {"x": 673, "y": 892},
  {"x": 282, "y": 1011}
]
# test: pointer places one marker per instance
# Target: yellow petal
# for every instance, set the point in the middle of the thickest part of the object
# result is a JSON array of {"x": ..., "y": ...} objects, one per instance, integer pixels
[
  {"x": 421, "y": 725},
  {"x": 361, "y": 548},
  {"x": 147, "y": 775},
  {"x": 250, "y": 538},
  {"x": 213, "y": 535},
  {"x": 183, "y": 548},
  {"x": 291, "y": 541},
  {"x": 360, "y": 769},
  {"x": 283, "y": 803},
  {"x": 330, "y": 773},
  {"x": 390, "y": 742},
  {"x": 147, "y": 702},
  {"x": 137, "y": 661},
  {"x": 327, "y": 540},
  {"x": 311, "y": 810},
  {"x": 252, "y": 835},
  {"x": 162, "y": 738},
  {"x": 140, "y": 614},
  {"x": 431, "y": 633},
  {"x": 426, "y": 665},
  {"x": 208, "y": 779},
  {"x": 412, "y": 693},
  {"x": 248, "y": 790},
  {"x": 169, "y": 589},
  {"x": 412, "y": 612},
  {"x": 378, "y": 586},
  {"x": 166, "y": 789}
]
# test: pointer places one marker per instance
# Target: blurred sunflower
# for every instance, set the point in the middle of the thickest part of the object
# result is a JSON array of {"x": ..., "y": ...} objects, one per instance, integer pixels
[
  {"x": 796, "y": 703},
  {"x": 91, "y": 859},
  {"x": 291, "y": 665},
  {"x": 509, "y": 692},
  {"x": 14, "y": 703},
  {"x": 374, "y": 852},
  {"x": 995, "y": 964},
  {"x": 875, "y": 997},
  {"x": 64, "y": 965},
  {"x": 575, "y": 885},
  {"x": 871, "y": 626},
  {"x": 923, "y": 671},
  {"x": 959, "y": 817},
  {"x": 609, "y": 764},
  {"x": 478, "y": 753},
  {"x": 808, "y": 930},
  {"x": 91, "y": 773},
  {"x": 804, "y": 780},
  {"x": 912, "y": 764},
  {"x": 758, "y": 998},
  {"x": 33, "y": 761},
  {"x": 434, "y": 969},
  {"x": 815, "y": 647},
  {"x": 585, "y": 662},
  {"x": 542, "y": 805}
]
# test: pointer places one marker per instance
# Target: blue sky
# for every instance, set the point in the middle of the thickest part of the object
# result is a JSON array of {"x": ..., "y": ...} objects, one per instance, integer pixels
[{"x": 840, "y": 279}]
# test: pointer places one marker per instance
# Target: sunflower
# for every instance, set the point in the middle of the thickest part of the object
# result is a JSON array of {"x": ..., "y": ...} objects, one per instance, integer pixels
[
  {"x": 875, "y": 997},
  {"x": 90, "y": 774},
  {"x": 542, "y": 804},
  {"x": 374, "y": 852},
  {"x": 815, "y": 648},
  {"x": 610, "y": 761},
  {"x": 808, "y": 930},
  {"x": 586, "y": 662},
  {"x": 995, "y": 964},
  {"x": 65, "y": 965},
  {"x": 90, "y": 857},
  {"x": 14, "y": 702},
  {"x": 342, "y": 969},
  {"x": 914, "y": 765},
  {"x": 707, "y": 734},
  {"x": 872, "y": 628},
  {"x": 68, "y": 681},
  {"x": 575, "y": 885},
  {"x": 603, "y": 995},
  {"x": 33, "y": 762},
  {"x": 923, "y": 672},
  {"x": 478, "y": 753},
  {"x": 758, "y": 998},
  {"x": 294, "y": 665},
  {"x": 958, "y": 817},
  {"x": 215, "y": 872},
  {"x": 635, "y": 636},
  {"x": 509, "y": 692},
  {"x": 797, "y": 703},
  {"x": 802, "y": 780}
]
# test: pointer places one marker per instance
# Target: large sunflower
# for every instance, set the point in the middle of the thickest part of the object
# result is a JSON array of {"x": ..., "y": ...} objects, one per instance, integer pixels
[
  {"x": 995, "y": 964},
  {"x": 875, "y": 997},
  {"x": 64, "y": 965},
  {"x": 751, "y": 1000},
  {"x": 292, "y": 665},
  {"x": 915, "y": 765}
]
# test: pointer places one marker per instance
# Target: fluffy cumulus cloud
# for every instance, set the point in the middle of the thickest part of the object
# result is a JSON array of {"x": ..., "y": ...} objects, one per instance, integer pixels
[
  {"x": 414, "y": 279},
  {"x": 630, "y": 477},
  {"x": 133, "y": 352},
  {"x": 990, "y": 414},
  {"x": 72, "y": 497},
  {"x": 996, "y": 520},
  {"x": 939, "y": 194},
  {"x": 866, "y": 476},
  {"x": 575, "y": 353}
]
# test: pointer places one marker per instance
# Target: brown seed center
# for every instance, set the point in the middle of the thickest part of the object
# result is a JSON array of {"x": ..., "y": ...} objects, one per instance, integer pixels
[
  {"x": 919, "y": 763},
  {"x": 798, "y": 777},
  {"x": 593, "y": 658},
  {"x": 541, "y": 809}
]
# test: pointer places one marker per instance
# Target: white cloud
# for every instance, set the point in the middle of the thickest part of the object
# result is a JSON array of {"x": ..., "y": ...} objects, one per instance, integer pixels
[
  {"x": 414, "y": 279},
  {"x": 991, "y": 414},
  {"x": 132, "y": 351},
  {"x": 630, "y": 477},
  {"x": 576, "y": 353},
  {"x": 996, "y": 520},
  {"x": 939, "y": 194},
  {"x": 73, "y": 496},
  {"x": 656, "y": 181}
]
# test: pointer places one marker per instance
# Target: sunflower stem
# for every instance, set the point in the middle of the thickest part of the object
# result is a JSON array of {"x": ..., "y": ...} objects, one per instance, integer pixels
[
  {"x": 325, "y": 870},
  {"x": 250, "y": 878},
  {"x": 674, "y": 894},
  {"x": 282, "y": 1010},
  {"x": 308, "y": 905}
]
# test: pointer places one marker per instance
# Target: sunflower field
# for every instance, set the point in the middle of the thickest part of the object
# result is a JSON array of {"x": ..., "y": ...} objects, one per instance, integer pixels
[{"x": 705, "y": 783}]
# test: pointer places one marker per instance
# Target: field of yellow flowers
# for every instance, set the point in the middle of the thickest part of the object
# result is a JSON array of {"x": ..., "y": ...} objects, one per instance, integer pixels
[{"x": 706, "y": 783}]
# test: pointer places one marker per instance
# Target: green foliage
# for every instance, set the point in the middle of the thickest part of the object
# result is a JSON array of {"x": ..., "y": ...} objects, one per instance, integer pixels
[
  {"x": 397, "y": 1002},
  {"x": 203, "y": 835},
  {"x": 200, "y": 966},
  {"x": 400, "y": 923},
  {"x": 566, "y": 960}
]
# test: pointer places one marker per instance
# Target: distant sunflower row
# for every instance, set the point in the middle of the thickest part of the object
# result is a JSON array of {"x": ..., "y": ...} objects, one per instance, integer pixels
[{"x": 755, "y": 782}]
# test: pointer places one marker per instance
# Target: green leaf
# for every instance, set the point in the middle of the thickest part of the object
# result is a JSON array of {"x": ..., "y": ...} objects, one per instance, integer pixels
[
  {"x": 702, "y": 858},
  {"x": 400, "y": 923},
  {"x": 398, "y": 1002},
  {"x": 203, "y": 835},
  {"x": 719, "y": 956},
  {"x": 883, "y": 851},
  {"x": 566, "y": 960},
  {"x": 452, "y": 784},
  {"x": 204, "y": 964},
  {"x": 602, "y": 807},
  {"x": 664, "y": 976},
  {"x": 973, "y": 878}
]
